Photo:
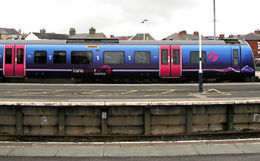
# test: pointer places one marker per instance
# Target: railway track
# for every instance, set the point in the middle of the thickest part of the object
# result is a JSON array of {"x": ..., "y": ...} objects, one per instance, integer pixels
[{"x": 129, "y": 138}]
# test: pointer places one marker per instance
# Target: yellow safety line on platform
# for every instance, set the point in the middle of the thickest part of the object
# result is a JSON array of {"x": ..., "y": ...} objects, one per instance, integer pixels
[
  {"x": 166, "y": 92},
  {"x": 131, "y": 91},
  {"x": 215, "y": 90},
  {"x": 24, "y": 90},
  {"x": 91, "y": 92},
  {"x": 58, "y": 91}
]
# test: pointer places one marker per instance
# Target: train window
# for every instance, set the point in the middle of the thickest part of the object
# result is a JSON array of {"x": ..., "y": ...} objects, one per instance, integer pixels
[
  {"x": 8, "y": 56},
  {"x": 194, "y": 57},
  {"x": 142, "y": 57},
  {"x": 81, "y": 57},
  {"x": 235, "y": 56},
  {"x": 20, "y": 56},
  {"x": 176, "y": 57},
  {"x": 59, "y": 57},
  {"x": 164, "y": 57},
  {"x": 113, "y": 57},
  {"x": 40, "y": 57}
]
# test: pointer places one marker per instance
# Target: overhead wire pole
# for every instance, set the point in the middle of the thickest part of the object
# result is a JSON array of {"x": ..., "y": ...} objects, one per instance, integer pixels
[{"x": 214, "y": 19}]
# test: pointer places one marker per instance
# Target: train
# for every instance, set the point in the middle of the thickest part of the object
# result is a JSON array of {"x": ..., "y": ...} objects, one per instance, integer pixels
[{"x": 118, "y": 59}]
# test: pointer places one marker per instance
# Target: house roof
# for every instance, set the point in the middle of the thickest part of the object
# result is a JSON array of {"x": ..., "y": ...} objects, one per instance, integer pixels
[
  {"x": 178, "y": 36},
  {"x": 123, "y": 37},
  {"x": 86, "y": 35},
  {"x": 251, "y": 36},
  {"x": 142, "y": 36},
  {"x": 51, "y": 36},
  {"x": 8, "y": 31}
]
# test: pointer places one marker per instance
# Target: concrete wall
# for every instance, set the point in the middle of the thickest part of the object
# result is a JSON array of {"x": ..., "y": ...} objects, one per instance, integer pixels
[{"x": 127, "y": 120}]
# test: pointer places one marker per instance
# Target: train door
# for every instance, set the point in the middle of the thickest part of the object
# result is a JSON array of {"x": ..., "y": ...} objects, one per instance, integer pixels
[
  {"x": 165, "y": 65},
  {"x": 176, "y": 63},
  {"x": 236, "y": 57},
  {"x": 14, "y": 61},
  {"x": 170, "y": 61}
]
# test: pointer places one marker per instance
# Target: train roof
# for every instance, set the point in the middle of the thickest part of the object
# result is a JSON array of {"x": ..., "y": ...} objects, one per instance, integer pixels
[{"x": 122, "y": 42}]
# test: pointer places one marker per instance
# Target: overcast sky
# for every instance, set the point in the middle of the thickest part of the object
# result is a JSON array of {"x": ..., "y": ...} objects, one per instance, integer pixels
[{"x": 124, "y": 17}]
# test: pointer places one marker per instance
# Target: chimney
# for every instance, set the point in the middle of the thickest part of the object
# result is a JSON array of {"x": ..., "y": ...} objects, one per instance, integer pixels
[
  {"x": 20, "y": 31},
  {"x": 257, "y": 31},
  {"x": 196, "y": 33},
  {"x": 72, "y": 31},
  {"x": 221, "y": 36},
  {"x": 183, "y": 32},
  {"x": 231, "y": 36},
  {"x": 92, "y": 31},
  {"x": 43, "y": 31}
]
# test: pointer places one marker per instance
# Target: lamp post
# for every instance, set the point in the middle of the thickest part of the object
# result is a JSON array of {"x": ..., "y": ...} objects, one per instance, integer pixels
[
  {"x": 200, "y": 66},
  {"x": 145, "y": 20}
]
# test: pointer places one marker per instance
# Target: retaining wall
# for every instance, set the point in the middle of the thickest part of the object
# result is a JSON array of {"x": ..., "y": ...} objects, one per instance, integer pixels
[{"x": 160, "y": 119}]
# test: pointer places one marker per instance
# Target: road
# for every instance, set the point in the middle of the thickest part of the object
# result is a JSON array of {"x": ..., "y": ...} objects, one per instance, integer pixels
[
  {"x": 229, "y": 157},
  {"x": 102, "y": 92}
]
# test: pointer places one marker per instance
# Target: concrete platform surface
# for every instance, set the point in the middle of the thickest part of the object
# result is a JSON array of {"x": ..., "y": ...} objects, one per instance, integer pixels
[
  {"x": 131, "y": 149},
  {"x": 70, "y": 94}
]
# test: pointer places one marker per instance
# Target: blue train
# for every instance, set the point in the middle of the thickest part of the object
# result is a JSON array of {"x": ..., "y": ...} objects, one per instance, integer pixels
[{"x": 111, "y": 58}]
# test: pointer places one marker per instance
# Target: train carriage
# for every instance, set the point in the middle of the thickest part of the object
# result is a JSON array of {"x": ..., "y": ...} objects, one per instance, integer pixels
[{"x": 111, "y": 58}]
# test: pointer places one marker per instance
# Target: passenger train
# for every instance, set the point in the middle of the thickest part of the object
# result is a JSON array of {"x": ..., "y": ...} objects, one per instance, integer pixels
[{"x": 112, "y": 58}]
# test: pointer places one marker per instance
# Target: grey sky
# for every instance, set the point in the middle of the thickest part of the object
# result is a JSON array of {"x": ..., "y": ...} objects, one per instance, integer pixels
[{"x": 123, "y": 17}]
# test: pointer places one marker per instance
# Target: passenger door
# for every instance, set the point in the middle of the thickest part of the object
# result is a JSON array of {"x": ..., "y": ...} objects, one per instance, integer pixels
[
  {"x": 170, "y": 61},
  {"x": 176, "y": 63},
  {"x": 14, "y": 61},
  {"x": 164, "y": 61}
]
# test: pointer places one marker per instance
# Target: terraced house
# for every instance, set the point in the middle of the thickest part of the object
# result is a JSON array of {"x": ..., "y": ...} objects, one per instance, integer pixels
[{"x": 8, "y": 34}]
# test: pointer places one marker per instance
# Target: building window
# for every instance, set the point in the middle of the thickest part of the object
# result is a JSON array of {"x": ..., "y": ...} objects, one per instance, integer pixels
[
  {"x": 81, "y": 57},
  {"x": 59, "y": 57},
  {"x": 20, "y": 53},
  {"x": 142, "y": 57},
  {"x": 258, "y": 46},
  {"x": 194, "y": 57},
  {"x": 164, "y": 57},
  {"x": 40, "y": 57},
  {"x": 8, "y": 56},
  {"x": 113, "y": 57}
]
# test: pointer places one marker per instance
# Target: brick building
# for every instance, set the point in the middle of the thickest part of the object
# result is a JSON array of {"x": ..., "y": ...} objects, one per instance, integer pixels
[
  {"x": 253, "y": 39},
  {"x": 92, "y": 34},
  {"x": 182, "y": 35}
]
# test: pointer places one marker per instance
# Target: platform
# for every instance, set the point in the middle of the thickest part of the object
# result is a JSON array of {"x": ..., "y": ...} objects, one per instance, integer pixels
[
  {"x": 133, "y": 149},
  {"x": 127, "y": 92},
  {"x": 64, "y": 111}
]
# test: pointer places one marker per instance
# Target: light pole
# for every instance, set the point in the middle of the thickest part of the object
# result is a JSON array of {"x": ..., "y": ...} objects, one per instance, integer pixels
[
  {"x": 200, "y": 66},
  {"x": 145, "y": 20}
]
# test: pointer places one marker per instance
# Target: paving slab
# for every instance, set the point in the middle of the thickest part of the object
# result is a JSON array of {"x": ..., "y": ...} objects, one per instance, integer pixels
[
  {"x": 80, "y": 151},
  {"x": 175, "y": 150},
  {"x": 206, "y": 149},
  {"x": 34, "y": 151},
  {"x": 5, "y": 150},
  {"x": 249, "y": 148},
  {"x": 126, "y": 151}
]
